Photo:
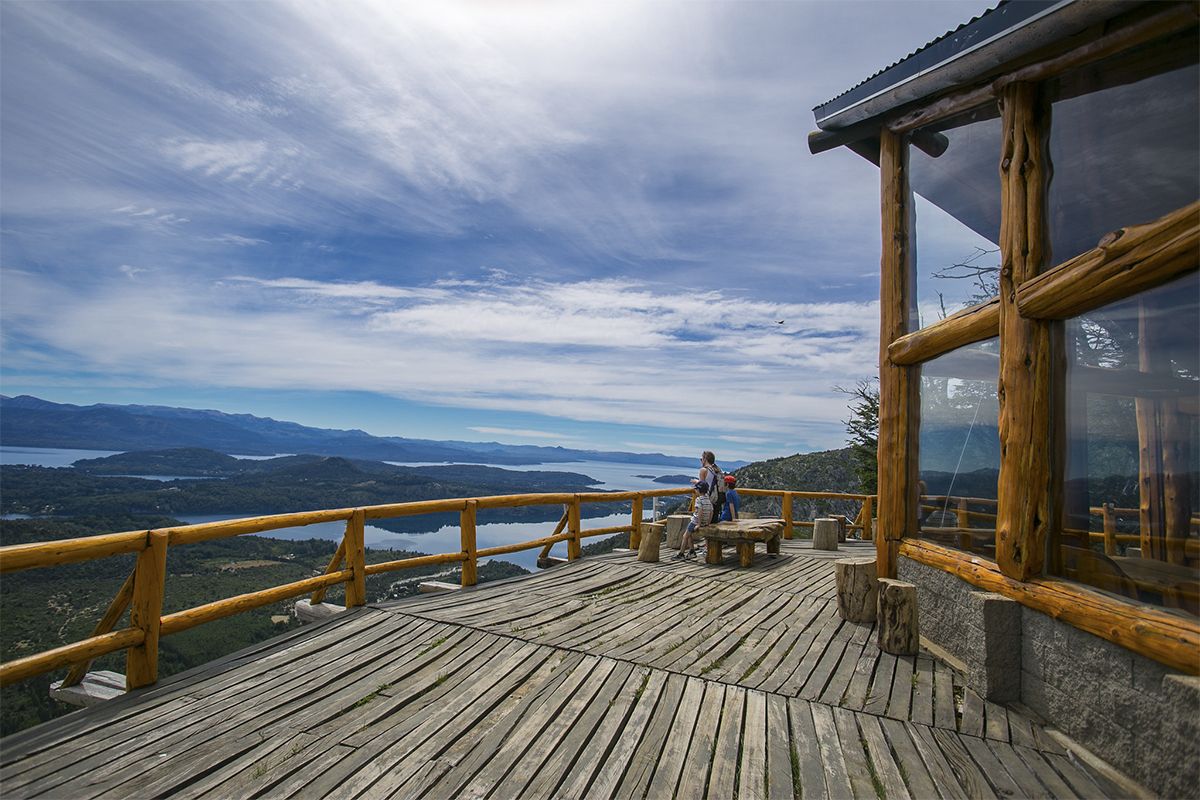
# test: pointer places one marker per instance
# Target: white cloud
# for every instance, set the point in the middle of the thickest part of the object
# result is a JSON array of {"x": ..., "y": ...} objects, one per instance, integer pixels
[
  {"x": 754, "y": 382},
  {"x": 524, "y": 433},
  {"x": 131, "y": 271},
  {"x": 236, "y": 239},
  {"x": 236, "y": 160}
]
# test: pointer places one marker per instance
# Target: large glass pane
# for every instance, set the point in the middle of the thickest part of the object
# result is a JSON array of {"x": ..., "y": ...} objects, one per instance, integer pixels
[
  {"x": 1132, "y": 484},
  {"x": 953, "y": 169},
  {"x": 1123, "y": 146},
  {"x": 960, "y": 448}
]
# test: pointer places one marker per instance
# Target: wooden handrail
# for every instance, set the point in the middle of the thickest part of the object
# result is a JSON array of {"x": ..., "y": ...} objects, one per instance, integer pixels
[
  {"x": 85, "y": 650},
  {"x": 144, "y": 588}
]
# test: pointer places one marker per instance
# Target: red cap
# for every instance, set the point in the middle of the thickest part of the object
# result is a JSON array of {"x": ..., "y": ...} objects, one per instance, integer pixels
[{"x": 730, "y": 479}]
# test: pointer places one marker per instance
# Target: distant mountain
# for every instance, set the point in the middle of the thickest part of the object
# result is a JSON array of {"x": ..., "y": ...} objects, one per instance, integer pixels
[
  {"x": 27, "y": 421},
  {"x": 823, "y": 471}
]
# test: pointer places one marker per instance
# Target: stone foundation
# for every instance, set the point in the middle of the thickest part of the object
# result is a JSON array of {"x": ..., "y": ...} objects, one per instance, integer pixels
[{"x": 1129, "y": 710}]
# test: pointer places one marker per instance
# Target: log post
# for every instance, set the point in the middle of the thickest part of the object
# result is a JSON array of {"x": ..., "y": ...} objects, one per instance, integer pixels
[
  {"x": 115, "y": 610},
  {"x": 825, "y": 534},
  {"x": 356, "y": 587},
  {"x": 962, "y": 521},
  {"x": 788, "y": 524},
  {"x": 651, "y": 538},
  {"x": 842, "y": 524},
  {"x": 635, "y": 534},
  {"x": 1110, "y": 530},
  {"x": 713, "y": 552},
  {"x": 745, "y": 551},
  {"x": 1026, "y": 484},
  {"x": 335, "y": 565},
  {"x": 574, "y": 548},
  {"x": 145, "y": 613},
  {"x": 466, "y": 530},
  {"x": 1177, "y": 480},
  {"x": 897, "y": 618},
  {"x": 857, "y": 589},
  {"x": 868, "y": 512},
  {"x": 899, "y": 386}
]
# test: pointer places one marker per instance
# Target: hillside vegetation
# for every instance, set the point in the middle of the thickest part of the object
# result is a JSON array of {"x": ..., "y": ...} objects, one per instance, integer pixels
[{"x": 823, "y": 471}]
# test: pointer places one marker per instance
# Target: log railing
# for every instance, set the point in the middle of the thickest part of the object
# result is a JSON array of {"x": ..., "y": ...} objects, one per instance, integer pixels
[
  {"x": 143, "y": 591},
  {"x": 862, "y": 522}
]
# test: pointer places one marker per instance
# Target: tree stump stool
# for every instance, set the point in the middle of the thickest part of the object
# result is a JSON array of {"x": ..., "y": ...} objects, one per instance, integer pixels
[
  {"x": 676, "y": 525},
  {"x": 897, "y": 618},
  {"x": 652, "y": 533},
  {"x": 843, "y": 526},
  {"x": 857, "y": 589},
  {"x": 825, "y": 534}
]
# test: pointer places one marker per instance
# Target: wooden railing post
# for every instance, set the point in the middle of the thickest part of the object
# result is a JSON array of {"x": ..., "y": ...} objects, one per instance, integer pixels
[
  {"x": 868, "y": 512},
  {"x": 115, "y": 610},
  {"x": 962, "y": 520},
  {"x": 466, "y": 527},
  {"x": 356, "y": 587},
  {"x": 149, "y": 580},
  {"x": 574, "y": 549},
  {"x": 788, "y": 531},
  {"x": 335, "y": 565},
  {"x": 1110, "y": 530},
  {"x": 635, "y": 535}
]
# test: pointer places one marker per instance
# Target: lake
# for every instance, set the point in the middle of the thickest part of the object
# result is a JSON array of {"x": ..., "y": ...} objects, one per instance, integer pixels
[{"x": 613, "y": 476}]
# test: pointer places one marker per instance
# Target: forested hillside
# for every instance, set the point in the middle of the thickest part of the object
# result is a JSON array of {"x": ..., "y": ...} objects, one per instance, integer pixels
[{"x": 823, "y": 471}]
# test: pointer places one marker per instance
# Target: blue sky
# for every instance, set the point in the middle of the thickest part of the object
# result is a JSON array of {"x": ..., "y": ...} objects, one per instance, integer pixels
[{"x": 546, "y": 223}]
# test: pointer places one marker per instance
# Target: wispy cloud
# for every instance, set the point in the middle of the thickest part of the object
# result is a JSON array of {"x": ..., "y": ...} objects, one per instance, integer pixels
[
  {"x": 756, "y": 379},
  {"x": 521, "y": 433},
  {"x": 236, "y": 239}
]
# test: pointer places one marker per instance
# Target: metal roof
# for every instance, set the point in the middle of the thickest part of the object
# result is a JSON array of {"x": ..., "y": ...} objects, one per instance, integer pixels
[{"x": 1000, "y": 34}]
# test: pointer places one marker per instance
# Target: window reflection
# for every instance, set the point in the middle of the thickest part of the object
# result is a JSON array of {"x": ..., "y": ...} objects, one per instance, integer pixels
[
  {"x": 1123, "y": 147},
  {"x": 960, "y": 448},
  {"x": 1132, "y": 487},
  {"x": 953, "y": 167}
]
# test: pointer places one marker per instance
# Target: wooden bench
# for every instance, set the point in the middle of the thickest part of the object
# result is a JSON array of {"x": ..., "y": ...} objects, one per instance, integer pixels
[{"x": 743, "y": 533}]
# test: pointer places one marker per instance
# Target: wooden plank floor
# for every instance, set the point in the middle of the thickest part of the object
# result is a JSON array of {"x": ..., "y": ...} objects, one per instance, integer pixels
[{"x": 602, "y": 678}]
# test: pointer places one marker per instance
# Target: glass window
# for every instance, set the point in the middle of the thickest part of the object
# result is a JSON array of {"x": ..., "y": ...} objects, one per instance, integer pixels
[
  {"x": 1123, "y": 146},
  {"x": 960, "y": 448},
  {"x": 1132, "y": 482},
  {"x": 953, "y": 169}
]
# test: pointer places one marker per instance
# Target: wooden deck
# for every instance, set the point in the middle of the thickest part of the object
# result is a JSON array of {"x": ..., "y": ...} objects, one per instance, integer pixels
[{"x": 602, "y": 678}]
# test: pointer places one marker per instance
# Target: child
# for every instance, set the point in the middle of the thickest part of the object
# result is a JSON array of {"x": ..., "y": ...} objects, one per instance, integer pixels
[
  {"x": 700, "y": 517},
  {"x": 729, "y": 511}
]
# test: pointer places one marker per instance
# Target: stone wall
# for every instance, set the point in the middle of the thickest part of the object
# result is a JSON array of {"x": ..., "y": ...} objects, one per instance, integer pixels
[{"x": 1127, "y": 709}]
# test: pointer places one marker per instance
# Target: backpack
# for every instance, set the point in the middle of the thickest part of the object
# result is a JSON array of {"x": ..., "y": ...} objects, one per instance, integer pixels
[{"x": 716, "y": 488}]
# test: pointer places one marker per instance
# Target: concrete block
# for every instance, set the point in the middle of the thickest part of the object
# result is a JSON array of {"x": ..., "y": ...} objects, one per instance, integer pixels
[
  {"x": 305, "y": 611},
  {"x": 94, "y": 689},
  {"x": 995, "y": 671}
]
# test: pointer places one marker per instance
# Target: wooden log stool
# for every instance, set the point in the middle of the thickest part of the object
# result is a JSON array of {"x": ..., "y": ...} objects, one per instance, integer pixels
[
  {"x": 857, "y": 589},
  {"x": 744, "y": 534},
  {"x": 843, "y": 525},
  {"x": 676, "y": 525},
  {"x": 897, "y": 617},
  {"x": 825, "y": 534},
  {"x": 652, "y": 534}
]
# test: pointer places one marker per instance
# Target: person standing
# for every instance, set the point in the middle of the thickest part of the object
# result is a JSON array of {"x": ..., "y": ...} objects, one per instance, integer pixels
[{"x": 711, "y": 474}]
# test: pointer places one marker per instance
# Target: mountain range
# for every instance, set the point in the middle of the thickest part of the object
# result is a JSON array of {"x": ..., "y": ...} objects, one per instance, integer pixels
[{"x": 27, "y": 421}]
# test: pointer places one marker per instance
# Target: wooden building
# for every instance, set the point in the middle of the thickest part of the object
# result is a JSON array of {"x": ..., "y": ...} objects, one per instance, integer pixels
[{"x": 1039, "y": 454}]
